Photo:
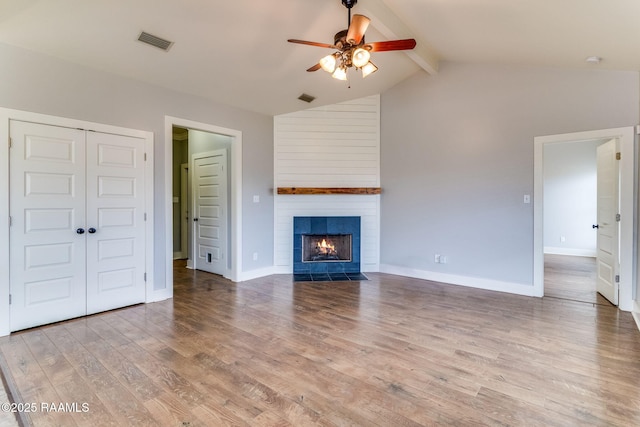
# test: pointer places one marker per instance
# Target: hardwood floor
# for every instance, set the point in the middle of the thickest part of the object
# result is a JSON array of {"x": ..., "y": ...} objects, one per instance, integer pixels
[
  {"x": 390, "y": 351},
  {"x": 572, "y": 278}
]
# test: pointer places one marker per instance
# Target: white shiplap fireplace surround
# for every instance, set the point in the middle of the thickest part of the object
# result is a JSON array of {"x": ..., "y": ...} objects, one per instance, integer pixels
[{"x": 331, "y": 146}]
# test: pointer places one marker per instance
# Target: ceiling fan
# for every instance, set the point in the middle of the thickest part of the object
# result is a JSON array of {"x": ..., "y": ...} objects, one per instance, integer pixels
[{"x": 352, "y": 50}]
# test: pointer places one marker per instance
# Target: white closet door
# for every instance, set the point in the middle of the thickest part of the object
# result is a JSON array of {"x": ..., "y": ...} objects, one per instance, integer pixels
[
  {"x": 47, "y": 206},
  {"x": 115, "y": 221}
]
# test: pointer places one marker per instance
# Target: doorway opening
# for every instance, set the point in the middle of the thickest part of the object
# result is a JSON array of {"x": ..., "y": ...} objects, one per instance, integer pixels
[
  {"x": 209, "y": 158},
  {"x": 570, "y": 221},
  {"x": 625, "y": 138}
]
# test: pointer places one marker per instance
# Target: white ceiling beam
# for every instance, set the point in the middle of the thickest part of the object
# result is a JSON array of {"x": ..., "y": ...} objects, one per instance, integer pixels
[{"x": 388, "y": 23}]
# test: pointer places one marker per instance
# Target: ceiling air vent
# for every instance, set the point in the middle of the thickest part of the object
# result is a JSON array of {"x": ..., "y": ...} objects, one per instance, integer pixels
[
  {"x": 306, "y": 98},
  {"x": 155, "y": 41}
]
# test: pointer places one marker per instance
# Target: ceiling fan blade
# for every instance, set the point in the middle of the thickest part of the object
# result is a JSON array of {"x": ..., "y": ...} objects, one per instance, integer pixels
[
  {"x": 314, "y": 68},
  {"x": 357, "y": 27},
  {"x": 330, "y": 46},
  {"x": 404, "y": 44}
]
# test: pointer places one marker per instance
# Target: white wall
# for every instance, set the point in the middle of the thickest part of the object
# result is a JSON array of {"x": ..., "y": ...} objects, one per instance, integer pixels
[
  {"x": 331, "y": 146},
  {"x": 570, "y": 198},
  {"x": 457, "y": 158},
  {"x": 39, "y": 83}
]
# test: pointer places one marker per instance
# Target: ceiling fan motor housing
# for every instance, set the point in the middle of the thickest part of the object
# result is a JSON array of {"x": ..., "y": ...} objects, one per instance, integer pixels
[{"x": 349, "y": 3}]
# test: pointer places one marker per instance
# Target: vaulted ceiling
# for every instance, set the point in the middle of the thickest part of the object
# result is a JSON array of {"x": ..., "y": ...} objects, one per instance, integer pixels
[{"x": 236, "y": 52}]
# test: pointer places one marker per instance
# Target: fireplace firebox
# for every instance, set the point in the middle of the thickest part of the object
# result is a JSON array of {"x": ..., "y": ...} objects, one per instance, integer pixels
[{"x": 326, "y": 248}]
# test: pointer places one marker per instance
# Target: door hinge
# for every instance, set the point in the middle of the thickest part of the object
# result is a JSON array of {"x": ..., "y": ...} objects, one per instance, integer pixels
[
  {"x": 145, "y": 216},
  {"x": 618, "y": 156},
  {"x": 10, "y": 222},
  {"x": 617, "y": 278},
  {"x": 9, "y": 299},
  {"x": 618, "y": 217},
  {"x": 145, "y": 277},
  {"x": 145, "y": 157},
  {"x": 10, "y": 142}
]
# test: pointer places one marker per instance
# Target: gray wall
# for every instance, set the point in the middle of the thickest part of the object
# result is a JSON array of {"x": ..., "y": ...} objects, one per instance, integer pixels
[
  {"x": 42, "y": 84},
  {"x": 180, "y": 156},
  {"x": 457, "y": 158}
]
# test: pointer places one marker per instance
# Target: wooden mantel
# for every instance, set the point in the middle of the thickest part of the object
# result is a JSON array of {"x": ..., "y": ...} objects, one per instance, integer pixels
[{"x": 329, "y": 190}]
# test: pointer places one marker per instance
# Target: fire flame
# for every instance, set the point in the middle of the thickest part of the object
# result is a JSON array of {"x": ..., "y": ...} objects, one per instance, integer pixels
[{"x": 324, "y": 247}]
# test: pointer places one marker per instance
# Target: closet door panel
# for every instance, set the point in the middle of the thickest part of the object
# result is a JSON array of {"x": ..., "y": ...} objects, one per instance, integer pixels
[
  {"x": 47, "y": 208},
  {"x": 115, "y": 210}
]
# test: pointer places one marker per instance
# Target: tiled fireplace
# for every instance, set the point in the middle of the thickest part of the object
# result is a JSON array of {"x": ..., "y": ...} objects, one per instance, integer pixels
[{"x": 326, "y": 248}]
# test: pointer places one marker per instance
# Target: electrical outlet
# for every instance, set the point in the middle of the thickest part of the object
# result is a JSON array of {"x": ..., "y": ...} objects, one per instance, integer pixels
[
  {"x": 255, "y": 256},
  {"x": 436, "y": 258},
  {"x": 443, "y": 259},
  {"x": 563, "y": 239}
]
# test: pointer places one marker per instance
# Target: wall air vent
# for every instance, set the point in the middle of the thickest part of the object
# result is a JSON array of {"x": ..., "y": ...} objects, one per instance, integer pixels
[
  {"x": 306, "y": 98},
  {"x": 155, "y": 41}
]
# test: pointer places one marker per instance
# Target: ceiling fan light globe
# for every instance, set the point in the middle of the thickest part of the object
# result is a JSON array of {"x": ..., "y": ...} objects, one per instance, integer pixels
[
  {"x": 328, "y": 63},
  {"x": 340, "y": 73},
  {"x": 360, "y": 57},
  {"x": 368, "y": 69}
]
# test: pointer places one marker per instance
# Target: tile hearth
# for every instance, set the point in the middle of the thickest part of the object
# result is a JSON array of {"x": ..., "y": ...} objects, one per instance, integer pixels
[{"x": 328, "y": 277}]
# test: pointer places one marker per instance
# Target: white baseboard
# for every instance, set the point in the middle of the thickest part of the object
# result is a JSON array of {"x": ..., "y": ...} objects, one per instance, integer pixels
[
  {"x": 256, "y": 274},
  {"x": 635, "y": 312},
  {"x": 159, "y": 295},
  {"x": 452, "y": 279},
  {"x": 553, "y": 250}
]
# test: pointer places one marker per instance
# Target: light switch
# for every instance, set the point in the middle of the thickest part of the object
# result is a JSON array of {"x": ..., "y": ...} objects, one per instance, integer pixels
[
  {"x": 527, "y": 198},
  {"x": 256, "y": 199}
]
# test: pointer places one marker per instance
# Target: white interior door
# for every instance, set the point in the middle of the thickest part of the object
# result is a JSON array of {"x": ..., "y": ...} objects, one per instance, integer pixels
[
  {"x": 47, "y": 233},
  {"x": 608, "y": 226},
  {"x": 210, "y": 211},
  {"x": 115, "y": 221}
]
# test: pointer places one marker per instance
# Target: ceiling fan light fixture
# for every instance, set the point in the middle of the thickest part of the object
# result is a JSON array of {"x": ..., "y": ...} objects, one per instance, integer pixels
[
  {"x": 368, "y": 68},
  {"x": 360, "y": 57},
  {"x": 328, "y": 63},
  {"x": 340, "y": 73}
]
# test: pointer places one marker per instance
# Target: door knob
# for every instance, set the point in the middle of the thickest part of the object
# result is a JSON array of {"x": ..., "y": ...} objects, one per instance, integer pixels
[
  {"x": 595, "y": 226},
  {"x": 91, "y": 230},
  {"x": 80, "y": 230},
  {"x": 195, "y": 219}
]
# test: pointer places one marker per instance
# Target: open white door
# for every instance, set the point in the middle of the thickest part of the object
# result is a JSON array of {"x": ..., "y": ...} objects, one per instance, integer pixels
[
  {"x": 608, "y": 226},
  {"x": 210, "y": 211}
]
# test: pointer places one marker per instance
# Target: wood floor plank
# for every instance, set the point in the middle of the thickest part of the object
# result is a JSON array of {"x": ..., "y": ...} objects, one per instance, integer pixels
[{"x": 390, "y": 351}]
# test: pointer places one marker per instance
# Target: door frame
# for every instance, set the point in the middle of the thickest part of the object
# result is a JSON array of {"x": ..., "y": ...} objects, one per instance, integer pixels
[
  {"x": 235, "y": 205},
  {"x": 7, "y": 114},
  {"x": 626, "y": 137}
]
